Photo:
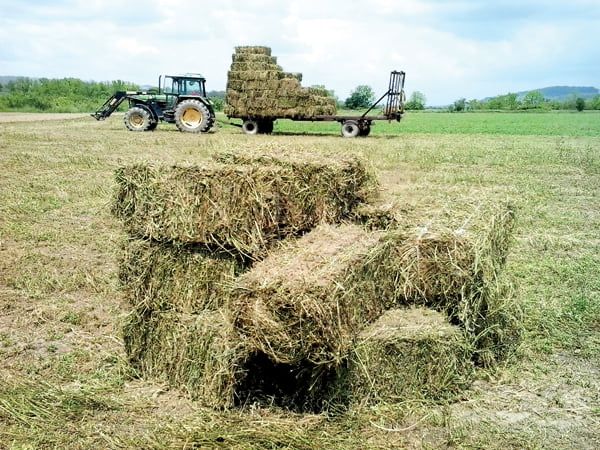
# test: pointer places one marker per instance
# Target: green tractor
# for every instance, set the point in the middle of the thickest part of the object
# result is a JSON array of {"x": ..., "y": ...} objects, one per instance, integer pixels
[{"x": 180, "y": 99}]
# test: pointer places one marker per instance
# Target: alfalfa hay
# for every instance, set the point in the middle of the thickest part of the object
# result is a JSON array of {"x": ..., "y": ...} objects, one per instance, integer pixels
[
  {"x": 197, "y": 353},
  {"x": 184, "y": 278},
  {"x": 409, "y": 354},
  {"x": 309, "y": 298},
  {"x": 242, "y": 208}
]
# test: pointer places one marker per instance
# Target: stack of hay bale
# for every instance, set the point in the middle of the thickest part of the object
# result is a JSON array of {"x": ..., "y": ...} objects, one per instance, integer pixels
[
  {"x": 191, "y": 231},
  {"x": 248, "y": 279},
  {"x": 258, "y": 87}
]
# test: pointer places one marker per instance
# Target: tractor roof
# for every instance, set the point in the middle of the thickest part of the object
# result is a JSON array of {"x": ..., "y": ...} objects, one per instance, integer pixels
[{"x": 188, "y": 75}]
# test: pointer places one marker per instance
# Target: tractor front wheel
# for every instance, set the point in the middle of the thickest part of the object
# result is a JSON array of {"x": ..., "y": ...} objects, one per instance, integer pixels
[
  {"x": 192, "y": 116},
  {"x": 137, "y": 119}
]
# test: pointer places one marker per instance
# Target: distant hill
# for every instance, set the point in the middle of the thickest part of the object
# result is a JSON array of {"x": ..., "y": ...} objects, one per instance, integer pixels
[
  {"x": 561, "y": 93},
  {"x": 8, "y": 78}
]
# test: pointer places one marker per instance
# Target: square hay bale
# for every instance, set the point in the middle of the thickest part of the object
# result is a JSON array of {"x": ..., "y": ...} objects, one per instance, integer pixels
[
  {"x": 239, "y": 208},
  {"x": 256, "y": 50},
  {"x": 253, "y": 57},
  {"x": 196, "y": 353},
  {"x": 184, "y": 278},
  {"x": 345, "y": 180},
  {"x": 254, "y": 67},
  {"x": 309, "y": 298},
  {"x": 458, "y": 269},
  {"x": 409, "y": 354},
  {"x": 267, "y": 74}
]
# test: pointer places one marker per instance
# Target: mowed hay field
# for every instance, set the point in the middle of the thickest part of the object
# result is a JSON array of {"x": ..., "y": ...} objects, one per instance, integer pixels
[{"x": 64, "y": 378}]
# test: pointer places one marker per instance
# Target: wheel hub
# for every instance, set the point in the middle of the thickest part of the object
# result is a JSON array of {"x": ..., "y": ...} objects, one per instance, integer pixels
[
  {"x": 137, "y": 120},
  {"x": 191, "y": 117}
]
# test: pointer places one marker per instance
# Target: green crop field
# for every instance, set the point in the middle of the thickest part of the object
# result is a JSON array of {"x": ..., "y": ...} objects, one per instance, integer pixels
[
  {"x": 64, "y": 380},
  {"x": 507, "y": 123}
]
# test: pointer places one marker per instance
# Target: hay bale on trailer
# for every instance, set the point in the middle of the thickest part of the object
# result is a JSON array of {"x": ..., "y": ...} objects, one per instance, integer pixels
[
  {"x": 184, "y": 278},
  {"x": 409, "y": 354},
  {"x": 244, "y": 208},
  {"x": 257, "y": 87},
  {"x": 198, "y": 353}
]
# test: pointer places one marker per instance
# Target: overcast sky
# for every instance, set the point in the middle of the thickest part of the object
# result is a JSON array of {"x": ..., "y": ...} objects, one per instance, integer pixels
[{"x": 449, "y": 49}]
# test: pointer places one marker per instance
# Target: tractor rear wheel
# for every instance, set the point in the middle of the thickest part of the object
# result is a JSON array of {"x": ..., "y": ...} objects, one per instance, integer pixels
[
  {"x": 192, "y": 116},
  {"x": 137, "y": 119}
]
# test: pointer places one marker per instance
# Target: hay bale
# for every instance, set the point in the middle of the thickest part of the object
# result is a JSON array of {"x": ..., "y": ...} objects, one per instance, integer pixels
[
  {"x": 458, "y": 271},
  {"x": 254, "y": 70},
  {"x": 309, "y": 298},
  {"x": 183, "y": 278},
  {"x": 356, "y": 181},
  {"x": 345, "y": 180},
  {"x": 240, "y": 208},
  {"x": 253, "y": 57},
  {"x": 256, "y": 50},
  {"x": 287, "y": 313},
  {"x": 195, "y": 353},
  {"x": 409, "y": 354}
]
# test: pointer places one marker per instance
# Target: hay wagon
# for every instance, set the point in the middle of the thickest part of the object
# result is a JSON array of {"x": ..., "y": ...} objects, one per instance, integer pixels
[{"x": 257, "y": 121}]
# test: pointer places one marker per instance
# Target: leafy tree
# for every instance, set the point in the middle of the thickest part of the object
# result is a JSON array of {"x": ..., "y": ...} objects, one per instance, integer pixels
[
  {"x": 361, "y": 97},
  {"x": 218, "y": 99},
  {"x": 458, "y": 105},
  {"x": 579, "y": 104},
  {"x": 594, "y": 103},
  {"x": 533, "y": 99},
  {"x": 416, "y": 101},
  {"x": 474, "y": 104}
]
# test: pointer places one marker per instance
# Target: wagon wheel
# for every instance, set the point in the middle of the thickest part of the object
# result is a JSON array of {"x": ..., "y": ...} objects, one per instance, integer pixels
[
  {"x": 250, "y": 126},
  {"x": 350, "y": 129}
]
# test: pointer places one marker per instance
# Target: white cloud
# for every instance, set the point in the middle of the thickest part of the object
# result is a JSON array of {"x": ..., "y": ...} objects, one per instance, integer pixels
[{"x": 449, "y": 49}]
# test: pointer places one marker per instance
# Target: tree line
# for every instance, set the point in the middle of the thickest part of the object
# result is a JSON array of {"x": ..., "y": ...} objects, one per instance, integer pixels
[
  {"x": 58, "y": 95},
  {"x": 532, "y": 100}
]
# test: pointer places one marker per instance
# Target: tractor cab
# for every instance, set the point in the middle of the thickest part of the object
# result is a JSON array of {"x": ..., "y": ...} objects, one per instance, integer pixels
[{"x": 188, "y": 85}]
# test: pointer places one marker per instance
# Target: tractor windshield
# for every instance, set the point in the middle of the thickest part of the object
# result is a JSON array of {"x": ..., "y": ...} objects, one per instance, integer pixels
[
  {"x": 184, "y": 86},
  {"x": 191, "y": 87}
]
